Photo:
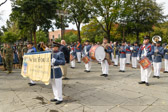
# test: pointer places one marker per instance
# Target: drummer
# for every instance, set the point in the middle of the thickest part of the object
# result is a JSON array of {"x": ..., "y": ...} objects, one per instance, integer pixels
[
  {"x": 73, "y": 53},
  {"x": 107, "y": 61},
  {"x": 157, "y": 61},
  {"x": 146, "y": 50},
  {"x": 86, "y": 50}
]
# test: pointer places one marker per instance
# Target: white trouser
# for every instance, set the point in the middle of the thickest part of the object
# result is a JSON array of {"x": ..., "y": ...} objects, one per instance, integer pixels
[
  {"x": 57, "y": 88},
  {"x": 153, "y": 57},
  {"x": 145, "y": 74},
  {"x": 105, "y": 67},
  {"x": 166, "y": 65},
  {"x": 32, "y": 82},
  {"x": 88, "y": 66},
  {"x": 157, "y": 68},
  {"x": 128, "y": 58},
  {"x": 112, "y": 57},
  {"x": 134, "y": 62},
  {"x": 116, "y": 60},
  {"x": 78, "y": 56},
  {"x": 122, "y": 64},
  {"x": 73, "y": 63}
]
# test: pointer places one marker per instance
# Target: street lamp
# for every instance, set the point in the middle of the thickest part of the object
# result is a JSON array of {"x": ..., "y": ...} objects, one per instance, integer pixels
[{"x": 62, "y": 14}]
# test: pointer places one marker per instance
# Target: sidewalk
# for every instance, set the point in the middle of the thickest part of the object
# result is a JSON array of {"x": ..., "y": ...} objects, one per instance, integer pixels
[{"x": 86, "y": 92}]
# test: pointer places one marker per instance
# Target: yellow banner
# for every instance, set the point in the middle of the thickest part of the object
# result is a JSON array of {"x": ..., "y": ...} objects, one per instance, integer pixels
[{"x": 37, "y": 67}]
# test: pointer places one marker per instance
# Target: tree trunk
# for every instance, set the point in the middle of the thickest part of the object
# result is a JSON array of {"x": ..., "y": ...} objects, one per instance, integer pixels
[
  {"x": 3, "y": 2},
  {"x": 79, "y": 36},
  {"x": 137, "y": 38},
  {"x": 108, "y": 35}
]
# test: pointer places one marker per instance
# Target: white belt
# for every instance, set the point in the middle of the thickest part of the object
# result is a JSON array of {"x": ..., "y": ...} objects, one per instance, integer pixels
[{"x": 55, "y": 67}]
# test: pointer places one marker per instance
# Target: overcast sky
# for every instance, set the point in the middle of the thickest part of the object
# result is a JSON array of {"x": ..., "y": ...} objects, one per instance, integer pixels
[{"x": 5, "y": 10}]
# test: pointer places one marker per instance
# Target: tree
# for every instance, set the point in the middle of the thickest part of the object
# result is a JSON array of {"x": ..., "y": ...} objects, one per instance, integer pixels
[
  {"x": 34, "y": 14},
  {"x": 79, "y": 11},
  {"x": 92, "y": 30},
  {"x": 9, "y": 37},
  {"x": 70, "y": 37},
  {"x": 41, "y": 37},
  {"x": 141, "y": 16},
  {"x": 106, "y": 12}
]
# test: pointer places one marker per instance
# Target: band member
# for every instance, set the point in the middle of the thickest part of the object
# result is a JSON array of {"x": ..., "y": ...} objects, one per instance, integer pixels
[
  {"x": 107, "y": 61},
  {"x": 73, "y": 56},
  {"x": 153, "y": 45},
  {"x": 112, "y": 54},
  {"x": 86, "y": 50},
  {"x": 78, "y": 51},
  {"x": 128, "y": 53},
  {"x": 134, "y": 55},
  {"x": 56, "y": 73},
  {"x": 65, "y": 50},
  {"x": 122, "y": 57},
  {"x": 30, "y": 50},
  {"x": 157, "y": 61},
  {"x": 116, "y": 48},
  {"x": 146, "y": 50},
  {"x": 166, "y": 58}
]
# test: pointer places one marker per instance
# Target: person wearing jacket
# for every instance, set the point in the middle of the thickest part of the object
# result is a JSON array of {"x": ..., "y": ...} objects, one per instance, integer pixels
[
  {"x": 57, "y": 59},
  {"x": 146, "y": 50},
  {"x": 157, "y": 61}
]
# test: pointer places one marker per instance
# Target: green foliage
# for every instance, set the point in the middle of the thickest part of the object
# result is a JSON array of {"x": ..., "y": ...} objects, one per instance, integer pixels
[
  {"x": 106, "y": 12},
  {"x": 79, "y": 11},
  {"x": 70, "y": 37},
  {"x": 41, "y": 37},
  {"x": 9, "y": 37},
  {"x": 140, "y": 16},
  {"x": 161, "y": 30},
  {"x": 58, "y": 40},
  {"x": 34, "y": 13},
  {"x": 92, "y": 30}
]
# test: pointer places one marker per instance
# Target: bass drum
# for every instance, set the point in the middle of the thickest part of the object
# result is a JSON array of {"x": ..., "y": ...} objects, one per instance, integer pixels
[{"x": 97, "y": 53}]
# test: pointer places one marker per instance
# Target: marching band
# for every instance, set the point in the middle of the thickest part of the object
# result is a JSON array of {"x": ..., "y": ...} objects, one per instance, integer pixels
[{"x": 148, "y": 55}]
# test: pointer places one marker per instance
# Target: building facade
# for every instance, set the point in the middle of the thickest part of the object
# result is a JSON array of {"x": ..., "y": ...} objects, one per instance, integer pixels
[{"x": 58, "y": 34}]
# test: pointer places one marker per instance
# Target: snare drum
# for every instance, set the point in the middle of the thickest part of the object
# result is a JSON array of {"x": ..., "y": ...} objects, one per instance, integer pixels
[
  {"x": 71, "y": 57},
  {"x": 85, "y": 59},
  {"x": 145, "y": 63},
  {"x": 97, "y": 53}
]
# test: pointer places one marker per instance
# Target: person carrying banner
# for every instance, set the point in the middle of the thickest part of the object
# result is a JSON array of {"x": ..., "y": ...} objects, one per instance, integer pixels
[
  {"x": 30, "y": 50},
  {"x": 56, "y": 73}
]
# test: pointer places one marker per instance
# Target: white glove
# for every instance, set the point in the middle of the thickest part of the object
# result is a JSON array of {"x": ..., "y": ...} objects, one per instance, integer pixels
[
  {"x": 53, "y": 60},
  {"x": 145, "y": 53},
  {"x": 138, "y": 58}
]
